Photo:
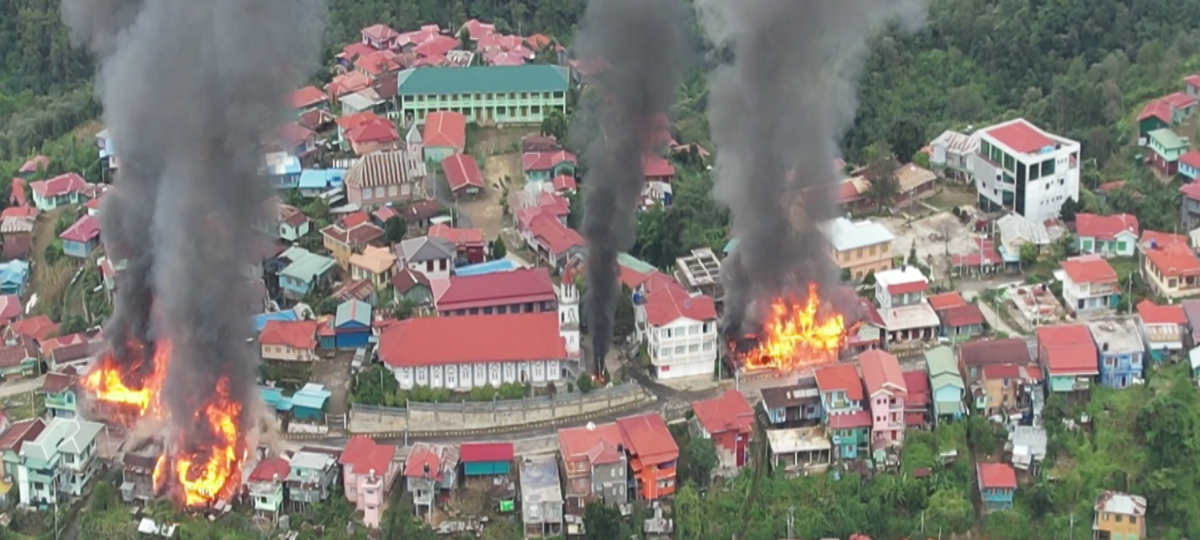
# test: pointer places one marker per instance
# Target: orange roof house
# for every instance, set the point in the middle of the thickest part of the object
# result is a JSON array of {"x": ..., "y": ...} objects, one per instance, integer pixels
[{"x": 653, "y": 454}]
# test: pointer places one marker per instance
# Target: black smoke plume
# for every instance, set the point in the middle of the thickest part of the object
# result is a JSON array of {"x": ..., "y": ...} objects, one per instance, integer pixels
[
  {"x": 189, "y": 89},
  {"x": 643, "y": 44},
  {"x": 776, "y": 111}
]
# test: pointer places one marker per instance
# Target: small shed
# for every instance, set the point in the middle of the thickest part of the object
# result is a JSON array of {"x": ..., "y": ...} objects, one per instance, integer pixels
[
  {"x": 310, "y": 402},
  {"x": 352, "y": 324},
  {"x": 486, "y": 459},
  {"x": 326, "y": 337}
]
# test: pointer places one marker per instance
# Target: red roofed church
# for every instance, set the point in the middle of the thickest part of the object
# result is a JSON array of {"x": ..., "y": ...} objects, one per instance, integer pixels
[{"x": 461, "y": 353}]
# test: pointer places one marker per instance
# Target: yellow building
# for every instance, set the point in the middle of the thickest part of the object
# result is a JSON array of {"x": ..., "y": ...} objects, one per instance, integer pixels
[
  {"x": 374, "y": 264},
  {"x": 1119, "y": 517},
  {"x": 861, "y": 247},
  {"x": 349, "y": 236}
]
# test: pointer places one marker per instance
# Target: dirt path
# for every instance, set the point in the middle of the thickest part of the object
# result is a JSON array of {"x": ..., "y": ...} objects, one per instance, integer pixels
[
  {"x": 43, "y": 234},
  {"x": 500, "y": 158}
]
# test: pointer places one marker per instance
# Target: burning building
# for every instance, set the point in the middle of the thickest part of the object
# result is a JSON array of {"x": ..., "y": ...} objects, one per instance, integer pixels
[{"x": 799, "y": 332}]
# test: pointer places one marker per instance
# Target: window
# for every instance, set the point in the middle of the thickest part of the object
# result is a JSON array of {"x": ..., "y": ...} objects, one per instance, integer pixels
[
  {"x": 985, "y": 148},
  {"x": 693, "y": 329},
  {"x": 664, "y": 352},
  {"x": 1009, "y": 162},
  {"x": 693, "y": 348},
  {"x": 1133, "y": 520},
  {"x": 679, "y": 350},
  {"x": 1119, "y": 516},
  {"x": 1048, "y": 167},
  {"x": 871, "y": 250},
  {"x": 708, "y": 346},
  {"x": 858, "y": 253},
  {"x": 441, "y": 264}
]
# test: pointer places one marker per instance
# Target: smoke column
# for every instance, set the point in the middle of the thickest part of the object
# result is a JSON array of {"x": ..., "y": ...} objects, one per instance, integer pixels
[
  {"x": 644, "y": 44},
  {"x": 780, "y": 105},
  {"x": 189, "y": 89}
]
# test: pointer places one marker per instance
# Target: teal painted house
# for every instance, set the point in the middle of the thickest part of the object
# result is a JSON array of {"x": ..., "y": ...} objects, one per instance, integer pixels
[
  {"x": 945, "y": 383},
  {"x": 545, "y": 166},
  {"x": 59, "y": 191},
  {"x": 81, "y": 237},
  {"x": 14, "y": 276},
  {"x": 62, "y": 394},
  {"x": 842, "y": 411},
  {"x": 266, "y": 485},
  {"x": 484, "y": 94},
  {"x": 310, "y": 402},
  {"x": 304, "y": 271},
  {"x": 486, "y": 459},
  {"x": 997, "y": 485}
]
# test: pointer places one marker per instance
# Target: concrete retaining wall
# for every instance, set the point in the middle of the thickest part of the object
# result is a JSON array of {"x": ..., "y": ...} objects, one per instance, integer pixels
[{"x": 419, "y": 418}]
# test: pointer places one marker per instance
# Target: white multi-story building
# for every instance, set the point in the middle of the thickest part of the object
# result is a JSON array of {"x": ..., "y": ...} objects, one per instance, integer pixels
[
  {"x": 568, "y": 312},
  {"x": 1025, "y": 170},
  {"x": 678, "y": 328},
  {"x": 61, "y": 460},
  {"x": 1089, "y": 285}
]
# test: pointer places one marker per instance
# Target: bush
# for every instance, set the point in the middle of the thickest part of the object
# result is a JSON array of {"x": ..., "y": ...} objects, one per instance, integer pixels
[{"x": 584, "y": 382}]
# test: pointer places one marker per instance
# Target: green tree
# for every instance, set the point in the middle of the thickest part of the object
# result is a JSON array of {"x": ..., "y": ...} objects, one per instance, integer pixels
[
  {"x": 1068, "y": 210},
  {"x": 584, "y": 382},
  {"x": 575, "y": 202},
  {"x": 54, "y": 252},
  {"x": 498, "y": 249},
  {"x": 601, "y": 522},
  {"x": 624, "y": 320},
  {"x": 555, "y": 123},
  {"x": 1029, "y": 254},
  {"x": 72, "y": 324},
  {"x": 701, "y": 457},
  {"x": 881, "y": 172},
  {"x": 394, "y": 230},
  {"x": 371, "y": 386}
]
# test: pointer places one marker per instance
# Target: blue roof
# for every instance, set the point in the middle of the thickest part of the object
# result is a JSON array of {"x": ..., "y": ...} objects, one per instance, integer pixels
[
  {"x": 271, "y": 395},
  {"x": 501, "y": 265},
  {"x": 321, "y": 178},
  {"x": 730, "y": 246},
  {"x": 284, "y": 405},
  {"x": 353, "y": 311},
  {"x": 15, "y": 271},
  {"x": 312, "y": 396},
  {"x": 260, "y": 320},
  {"x": 280, "y": 165}
]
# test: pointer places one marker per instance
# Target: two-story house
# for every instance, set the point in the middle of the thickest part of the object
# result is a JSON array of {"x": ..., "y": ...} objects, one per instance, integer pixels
[
  {"x": 961, "y": 320},
  {"x": 594, "y": 466},
  {"x": 1119, "y": 516},
  {"x": 975, "y": 356},
  {"x": 368, "y": 472},
  {"x": 395, "y": 176},
  {"x": 1110, "y": 236},
  {"x": 469, "y": 244},
  {"x": 281, "y": 170},
  {"x": 11, "y": 439},
  {"x": 1068, "y": 358},
  {"x": 541, "y": 497},
  {"x": 312, "y": 476},
  {"x": 797, "y": 405},
  {"x": 266, "y": 486},
  {"x": 842, "y": 410},
  {"x": 429, "y": 470},
  {"x": 1172, "y": 271},
  {"x": 524, "y": 290},
  {"x": 997, "y": 485},
  {"x": 653, "y": 455},
  {"x": 303, "y": 272},
  {"x": 430, "y": 256},
  {"x": 907, "y": 316},
  {"x": 952, "y": 153},
  {"x": 61, "y": 390},
  {"x": 859, "y": 248},
  {"x": 1089, "y": 285},
  {"x": 60, "y": 460},
  {"x": 1165, "y": 150},
  {"x": 350, "y": 235},
  {"x": 729, "y": 422},
  {"x": 1189, "y": 165},
  {"x": 59, "y": 191},
  {"x": 289, "y": 341},
  {"x": 678, "y": 328},
  {"x": 544, "y": 166},
  {"x": 1121, "y": 352},
  {"x": 945, "y": 384},
  {"x": 375, "y": 265},
  {"x": 886, "y": 391},
  {"x": 81, "y": 238},
  {"x": 1152, "y": 240},
  {"x": 1189, "y": 205},
  {"x": 1007, "y": 389},
  {"x": 290, "y": 223},
  {"x": 1162, "y": 329}
]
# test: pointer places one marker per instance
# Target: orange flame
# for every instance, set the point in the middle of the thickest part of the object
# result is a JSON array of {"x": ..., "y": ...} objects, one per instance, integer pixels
[
  {"x": 798, "y": 334},
  {"x": 202, "y": 475}
]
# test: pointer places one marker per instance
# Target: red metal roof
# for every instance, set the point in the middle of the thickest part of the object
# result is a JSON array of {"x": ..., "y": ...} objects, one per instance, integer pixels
[
  {"x": 667, "y": 301},
  {"x": 428, "y": 341},
  {"x": 840, "y": 378},
  {"x": 379, "y": 32},
  {"x": 38, "y": 327},
  {"x": 458, "y": 237},
  {"x": 1174, "y": 260},
  {"x": 496, "y": 289},
  {"x": 483, "y": 452},
  {"x": 1192, "y": 80},
  {"x": 648, "y": 439},
  {"x": 1068, "y": 349},
  {"x": 1002, "y": 371},
  {"x": 997, "y": 476},
  {"x": 1191, "y": 159},
  {"x": 959, "y": 316},
  {"x": 372, "y": 130},
  {"x": 445, "y": 128},
  {"x": 294, "y": 334},
  {"x": 1021, "y": 137},
  {"x": 858, "y": 419},
  {"x": 946, "y": 300},
  {"x": 880, "y": 369},
  {"x": 17, "y": 193},
  {"x": 461, "y": 172},
  {"x": 1089, "y": 269},
  {"x": 85, "y": 229},
  {"x": 544, "y": 161},
  {"x": 730, "y": 412},
  {"x": 10, "y": 307},
  {"x": 59, "y": 185},
  {"x": 34, "y": 164},
  {"x": 564, "y": 182},
  {"x": 1159, "y": 239},
  {"x": 1152, "y": 313},
  {"x": 908, "y": 287},
  {"x": 308, "y": 96},
  {"x": 917, "y": 383},
  {"x": 348, "y": 83},
  {"x": 19, "y": 432},
  {"x": 1156, "y": 109},
  {"x": 271, "y": 468},
  {"x": 362, "y": 454},
  {"x": 1190, "y": 190},
  {"x": 553, "y": 235},
  {"x": 1105, "y": 227},
  {"x": 437, "y": 45},
  {"x": 1180, "y": 100},
  {"x": 914, "y": 419},
  {"x": 655, "y": 166},
  {"x": 57, "y": 382},
  {"x": 597, "y": 444}
]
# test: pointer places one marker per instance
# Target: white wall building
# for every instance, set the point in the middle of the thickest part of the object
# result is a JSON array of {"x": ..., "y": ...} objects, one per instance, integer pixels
[
  {"x": 1023, "y": 169},
  {"x": 952, "y": 155},
  {"x": 679, "y": 328},
  {"x": 461, "y": 353},
  {"x": 568, "y": 313},
  {"x": 1089, "y": 285}
]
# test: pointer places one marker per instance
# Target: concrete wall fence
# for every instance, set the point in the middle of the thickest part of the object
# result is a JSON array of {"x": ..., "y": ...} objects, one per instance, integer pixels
[{"x": 499, "y": 415}]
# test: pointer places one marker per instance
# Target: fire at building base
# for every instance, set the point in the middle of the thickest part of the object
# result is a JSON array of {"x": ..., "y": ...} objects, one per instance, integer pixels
[{"x": 797, "y": 333}]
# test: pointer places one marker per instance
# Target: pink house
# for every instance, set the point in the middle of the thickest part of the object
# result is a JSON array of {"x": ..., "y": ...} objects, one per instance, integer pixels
[
  {"x": 368, "y": 472},
  {"x": 886, "y": 392}
]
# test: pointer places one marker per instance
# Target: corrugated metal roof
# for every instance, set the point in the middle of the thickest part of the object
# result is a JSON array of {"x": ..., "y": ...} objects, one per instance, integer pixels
[{"x": 475, "y": 79}]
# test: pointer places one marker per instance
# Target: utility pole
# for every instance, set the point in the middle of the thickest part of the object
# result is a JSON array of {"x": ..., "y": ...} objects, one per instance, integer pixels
[{"x": 791, "y": 520}]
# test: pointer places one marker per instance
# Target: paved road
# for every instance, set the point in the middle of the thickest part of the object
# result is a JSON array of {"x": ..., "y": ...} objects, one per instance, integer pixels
[{"x": 20, "y": 386}]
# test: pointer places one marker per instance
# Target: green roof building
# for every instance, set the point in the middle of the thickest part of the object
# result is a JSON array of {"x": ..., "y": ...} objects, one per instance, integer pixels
[{"x": 484, "y": 94}]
